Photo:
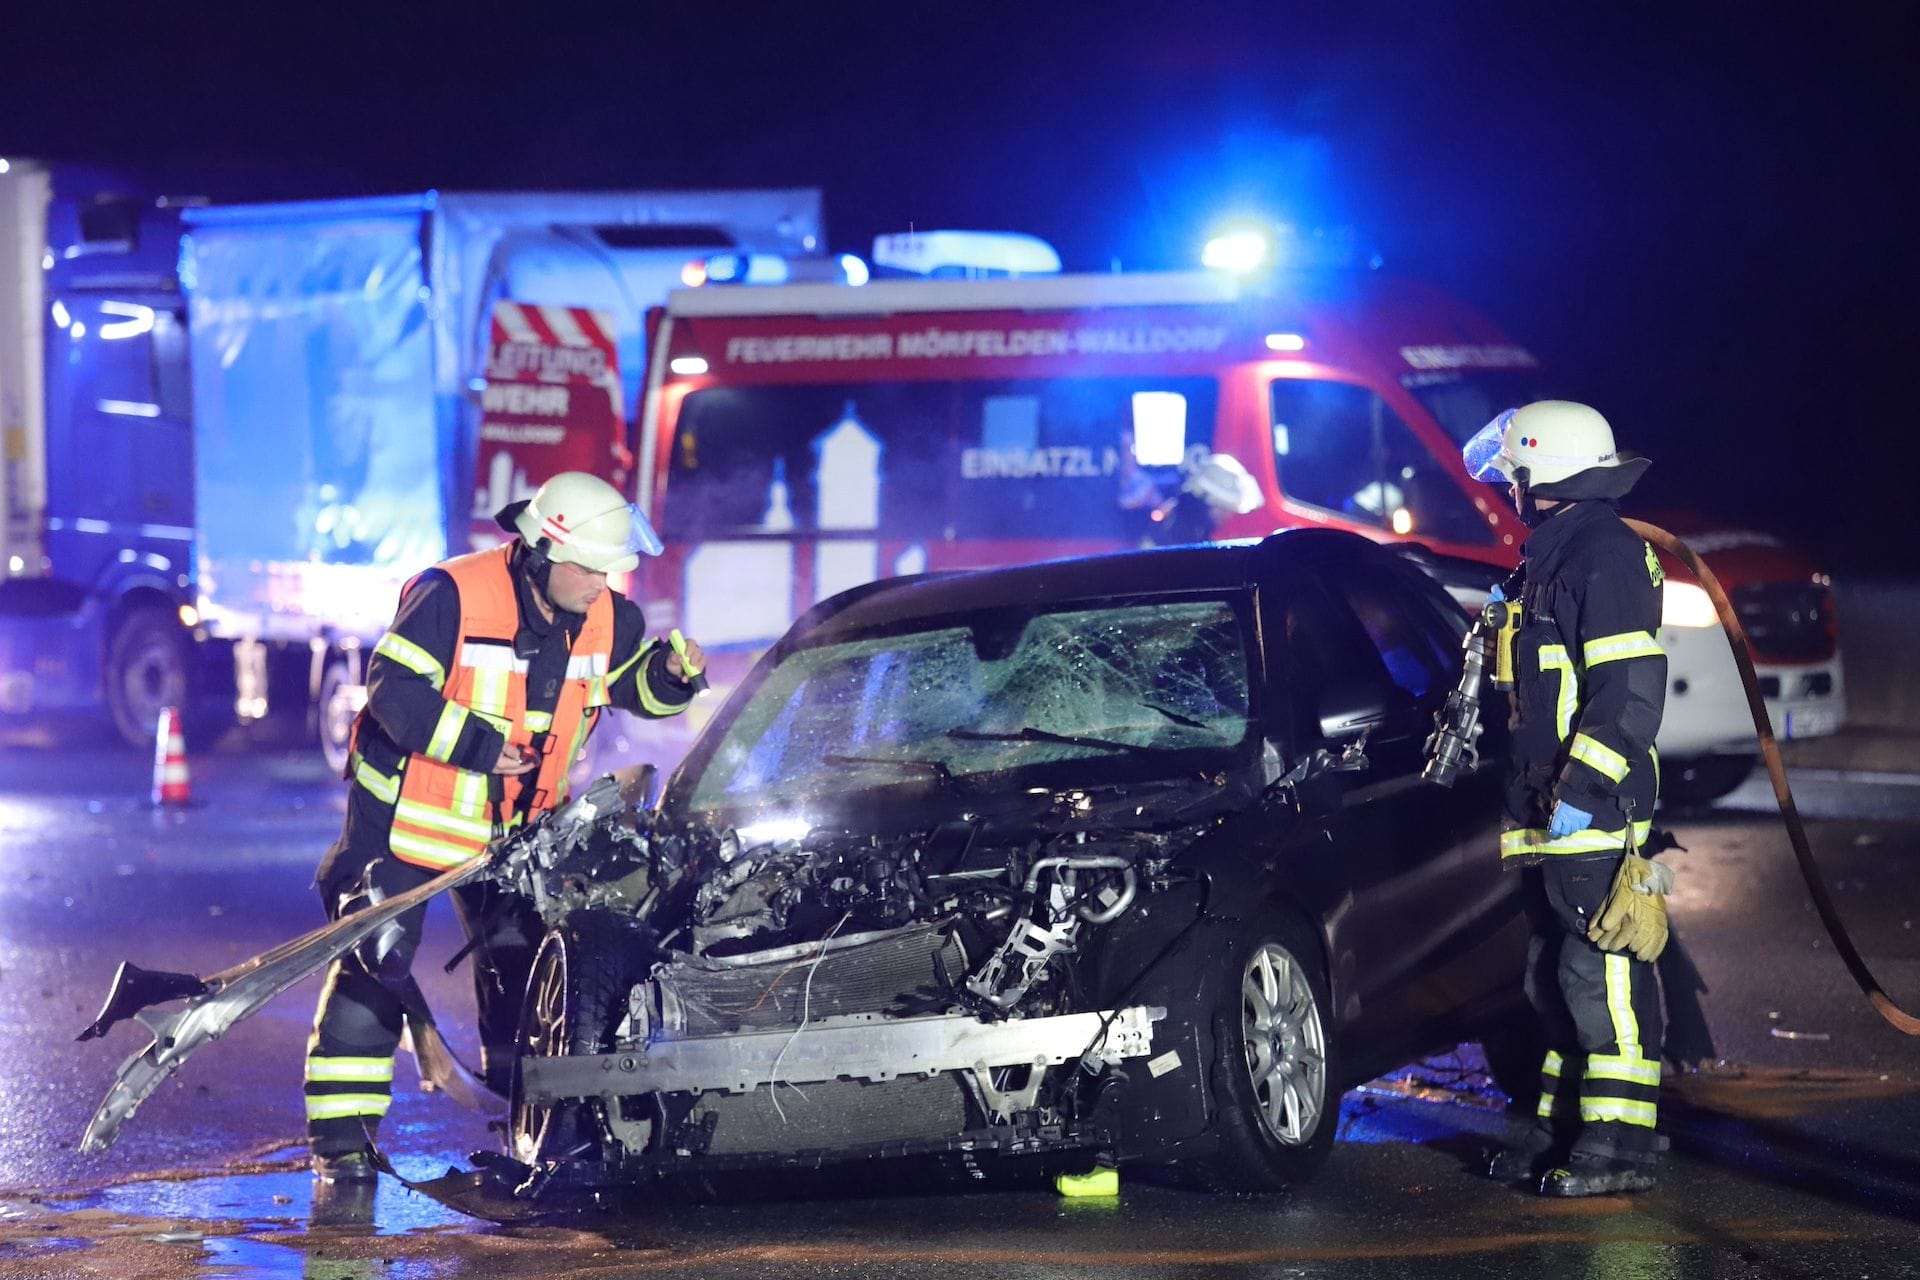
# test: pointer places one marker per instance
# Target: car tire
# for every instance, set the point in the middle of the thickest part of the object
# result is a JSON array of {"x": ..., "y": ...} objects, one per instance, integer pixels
[
  {"x": 1703, "y": 779},
  {"x": 145, "y": 671},
  {"x": 576, "y": 999},
  {"x": 1275, "y": 1071}
]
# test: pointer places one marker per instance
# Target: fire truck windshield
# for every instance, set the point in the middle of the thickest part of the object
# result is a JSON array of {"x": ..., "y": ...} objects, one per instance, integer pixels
[
  {"x": 1462, "y": 402},
  {"x": 1027, "y": 458}
]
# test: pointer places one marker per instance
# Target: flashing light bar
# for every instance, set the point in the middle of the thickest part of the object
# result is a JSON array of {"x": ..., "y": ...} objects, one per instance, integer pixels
[
  {"x": 772, "y": 268},
  {"x": 688, "y": 366},
  {"x": 966, "y": 254},
  {"x": 1286, "y": 342},
  {"x": 1238, "y": 251}
]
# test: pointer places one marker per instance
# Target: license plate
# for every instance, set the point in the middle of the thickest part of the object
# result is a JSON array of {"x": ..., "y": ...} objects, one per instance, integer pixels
[{"x": 1810, "y": 723}]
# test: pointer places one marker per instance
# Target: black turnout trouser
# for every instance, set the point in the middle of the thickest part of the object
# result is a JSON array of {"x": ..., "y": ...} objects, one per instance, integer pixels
[
  {"x": 368, "y": 991},
  {"x": 1600, "y": 1012}
]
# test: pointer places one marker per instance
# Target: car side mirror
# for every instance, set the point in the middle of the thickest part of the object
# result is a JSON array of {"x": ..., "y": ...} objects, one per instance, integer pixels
[{"x": 1350, "y": 708}]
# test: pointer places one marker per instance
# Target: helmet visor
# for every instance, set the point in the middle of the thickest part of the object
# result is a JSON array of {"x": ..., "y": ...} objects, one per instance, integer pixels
[
  {"x": 1486, "y": 454},
  {"x": 641, "y": 539}
]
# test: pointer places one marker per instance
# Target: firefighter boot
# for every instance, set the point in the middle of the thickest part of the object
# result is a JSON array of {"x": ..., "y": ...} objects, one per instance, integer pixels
[
  {"x": 1586, "y": 1174},
  {"x": 1524, "y": 1158}
]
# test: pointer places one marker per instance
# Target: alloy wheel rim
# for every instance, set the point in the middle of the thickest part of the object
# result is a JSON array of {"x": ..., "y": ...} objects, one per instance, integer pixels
[
  {"x": 1286, "y": 1044},
  {"x": 544, "y": 1036}
]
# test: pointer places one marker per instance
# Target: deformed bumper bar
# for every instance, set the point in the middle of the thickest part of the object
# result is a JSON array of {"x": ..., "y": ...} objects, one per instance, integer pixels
[{"x": 856, "y": 1046}]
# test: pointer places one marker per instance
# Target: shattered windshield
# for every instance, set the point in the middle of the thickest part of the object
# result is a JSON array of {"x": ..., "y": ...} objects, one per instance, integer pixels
[{"x": 1000, "y": 690}]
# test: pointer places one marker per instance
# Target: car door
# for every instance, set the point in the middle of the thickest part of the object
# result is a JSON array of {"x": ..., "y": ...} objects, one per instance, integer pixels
[{"x": 1417, "y": 857}]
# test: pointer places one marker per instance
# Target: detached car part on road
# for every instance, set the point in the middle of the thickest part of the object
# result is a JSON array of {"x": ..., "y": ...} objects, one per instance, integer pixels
[{"x": 1123, "y": 856}]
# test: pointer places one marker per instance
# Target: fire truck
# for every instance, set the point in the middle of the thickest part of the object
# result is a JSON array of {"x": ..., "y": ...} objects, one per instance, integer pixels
[{"x": 801, "y": 438}]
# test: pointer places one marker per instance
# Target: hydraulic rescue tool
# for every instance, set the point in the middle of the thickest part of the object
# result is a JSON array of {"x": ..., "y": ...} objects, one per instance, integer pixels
[{"x": 1452, "y": 747}]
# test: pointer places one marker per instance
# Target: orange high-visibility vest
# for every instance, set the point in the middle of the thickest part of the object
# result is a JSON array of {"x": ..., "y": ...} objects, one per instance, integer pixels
[{"x": 444, "y": 815}]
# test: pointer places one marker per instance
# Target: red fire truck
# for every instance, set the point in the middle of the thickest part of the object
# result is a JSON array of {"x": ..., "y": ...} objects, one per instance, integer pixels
[{"x": 799, "y": 439}]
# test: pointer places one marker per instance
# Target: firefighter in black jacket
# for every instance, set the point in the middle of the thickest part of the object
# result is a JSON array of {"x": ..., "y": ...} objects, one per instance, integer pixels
[
  {"x": 1589, "y": 686},
  {"x": 480, "y": 696}
]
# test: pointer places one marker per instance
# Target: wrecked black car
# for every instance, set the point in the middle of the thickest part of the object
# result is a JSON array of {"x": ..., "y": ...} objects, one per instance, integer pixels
[
  {"x": 1124, "y": 855},
  {"x": 1124, "y": 858}
]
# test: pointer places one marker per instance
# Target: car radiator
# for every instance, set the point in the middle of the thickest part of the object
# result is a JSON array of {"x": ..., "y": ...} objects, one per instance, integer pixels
[
  {"x": 885, "y": 972},
  {"x": 891, "y": 971}
]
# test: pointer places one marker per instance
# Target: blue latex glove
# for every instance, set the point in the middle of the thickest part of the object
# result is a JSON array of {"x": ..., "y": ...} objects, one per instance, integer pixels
[
  {"x": 1568, "y": 819},
  {"x": 1498, "y": 593}
]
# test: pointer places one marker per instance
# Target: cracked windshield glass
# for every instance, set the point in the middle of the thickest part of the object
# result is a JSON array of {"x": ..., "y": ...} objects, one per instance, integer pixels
[{"x": 991, "y": 692}]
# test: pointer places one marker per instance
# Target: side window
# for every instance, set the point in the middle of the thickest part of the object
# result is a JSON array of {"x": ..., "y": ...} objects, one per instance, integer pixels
[
  {"x": 1407, "y": 644},
  {"x": 1341, "y": 447}
]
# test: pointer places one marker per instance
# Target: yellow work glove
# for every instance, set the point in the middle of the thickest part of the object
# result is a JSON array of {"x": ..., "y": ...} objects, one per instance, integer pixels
[{"x": 1634, "y": 916}]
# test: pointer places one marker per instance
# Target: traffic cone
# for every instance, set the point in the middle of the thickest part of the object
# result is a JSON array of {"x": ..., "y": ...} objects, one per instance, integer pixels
[{"x": 170, "y": 785}]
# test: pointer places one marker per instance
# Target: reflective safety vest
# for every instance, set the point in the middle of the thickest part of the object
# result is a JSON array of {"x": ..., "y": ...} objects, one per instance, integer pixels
[{"x": 444, "y": 815}]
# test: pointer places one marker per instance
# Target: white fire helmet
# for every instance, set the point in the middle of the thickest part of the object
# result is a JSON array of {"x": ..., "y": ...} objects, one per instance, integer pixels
[
  {"x": 1222, "y": 483},
  {"x": 585, "y": 521},
  {"x": 1547, "y": 442}
]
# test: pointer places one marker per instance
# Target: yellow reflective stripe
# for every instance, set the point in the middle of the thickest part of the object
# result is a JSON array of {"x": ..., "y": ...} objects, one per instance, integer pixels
[
  {"x": 489, "y": 693},
  {"x": 648, "y": 702},
  {"x": 412, "y": 657},
  {"x": 446, "y": 732},
  {"x": 361, "y": 1069},
  {"x": 1545, "y": 1107},
  {"x": 418, "y": 814},
  {"x": 599, "y": 693},
  {"x": 1627, "y": 644},
  {"x": 1634, "y": 1070},
  {"x": 382, "y": 786},
  {"x": 1626, "y": 1027},
  {"x": 1626, "y": 1111},
  {"x": 1531, "y": 840},
  {"x": 1550, "y": 1065},
  {"x": 339, "y": 1106},
  {"x": 639, "y": 655},
  {"x": 1554, "y": 657},
  {"x": 430, "y": 853},
  {"x": 1603, "y": 758},
  {"x": 539, "y": 721},
  {"x": 470, "y": 798}
]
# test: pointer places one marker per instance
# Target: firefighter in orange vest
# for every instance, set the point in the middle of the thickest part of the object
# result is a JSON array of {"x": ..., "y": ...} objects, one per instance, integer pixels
[{"x": 479, "y": 697}]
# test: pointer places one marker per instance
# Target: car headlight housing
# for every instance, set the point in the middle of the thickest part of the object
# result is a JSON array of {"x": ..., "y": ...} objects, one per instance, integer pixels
[{"x": 1686, "y": 604}]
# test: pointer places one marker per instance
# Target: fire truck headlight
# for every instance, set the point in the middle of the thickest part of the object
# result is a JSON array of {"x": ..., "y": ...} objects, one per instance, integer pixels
[{"x": 1683, "y": 604}]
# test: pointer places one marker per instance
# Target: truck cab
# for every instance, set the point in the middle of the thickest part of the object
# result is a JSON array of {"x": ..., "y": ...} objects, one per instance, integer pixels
[{"x": 798, "y": 439}]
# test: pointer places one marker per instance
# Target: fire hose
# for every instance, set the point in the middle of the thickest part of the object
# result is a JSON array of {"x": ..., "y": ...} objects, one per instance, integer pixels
[{"x": 1452, "y": 748}]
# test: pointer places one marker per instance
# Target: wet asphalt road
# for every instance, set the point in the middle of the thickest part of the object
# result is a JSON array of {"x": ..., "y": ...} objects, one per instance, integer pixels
[{"x": 1797, "y": 1154}]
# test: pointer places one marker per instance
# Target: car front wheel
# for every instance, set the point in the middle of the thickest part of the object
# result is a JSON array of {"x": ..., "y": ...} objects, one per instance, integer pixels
[
  {"x": 1274, "y": 1068},
  {"x": 576, "y": 998}
]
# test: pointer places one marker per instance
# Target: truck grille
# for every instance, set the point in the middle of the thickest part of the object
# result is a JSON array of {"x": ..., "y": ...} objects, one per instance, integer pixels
[{"x": 1786, "y": 621}]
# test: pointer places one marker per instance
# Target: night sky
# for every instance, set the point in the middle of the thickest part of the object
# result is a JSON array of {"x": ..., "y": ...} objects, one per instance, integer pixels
[{"x": 1699, "y": 215}]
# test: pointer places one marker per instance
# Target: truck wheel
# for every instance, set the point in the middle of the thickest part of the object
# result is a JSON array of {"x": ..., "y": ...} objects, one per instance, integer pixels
[
  {"x": 146, "y": 672},
  {"x": 334, "y": 709},
  {"x": 576, "y": 998},
  {"x": 1703, "y": 779},
  {"x": 1274, "y": 1068}
]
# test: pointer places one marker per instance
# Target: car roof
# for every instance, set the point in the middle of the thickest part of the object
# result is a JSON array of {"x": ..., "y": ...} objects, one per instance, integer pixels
[{"x": 1160, "y": 570}]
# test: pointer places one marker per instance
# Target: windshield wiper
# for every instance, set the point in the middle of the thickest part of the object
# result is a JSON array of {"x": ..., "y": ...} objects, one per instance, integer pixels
[
  {"x": 1029, "y": 733},
  {"x": 933, "y": 767},
  {"x": 1185, "y": 721}
]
